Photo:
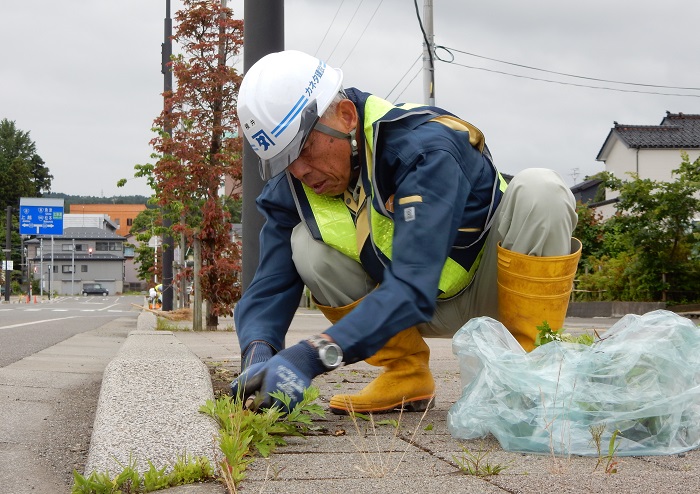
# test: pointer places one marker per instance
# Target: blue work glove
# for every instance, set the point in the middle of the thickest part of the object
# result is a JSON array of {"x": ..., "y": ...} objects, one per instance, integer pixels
[
  {"x": 257, "y": 351},
  {"x": 290, "y": 371}
]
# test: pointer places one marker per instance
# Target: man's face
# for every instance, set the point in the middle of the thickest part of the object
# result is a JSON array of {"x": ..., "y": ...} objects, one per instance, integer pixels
[{"x": 324, "y": 161}]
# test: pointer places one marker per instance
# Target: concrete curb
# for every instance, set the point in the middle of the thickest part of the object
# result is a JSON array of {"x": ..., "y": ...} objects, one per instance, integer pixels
[{"x": 148, "y": 407}]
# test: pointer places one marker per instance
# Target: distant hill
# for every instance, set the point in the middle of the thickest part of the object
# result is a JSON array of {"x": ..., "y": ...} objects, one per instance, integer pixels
[{"x": 68, "y": 199}]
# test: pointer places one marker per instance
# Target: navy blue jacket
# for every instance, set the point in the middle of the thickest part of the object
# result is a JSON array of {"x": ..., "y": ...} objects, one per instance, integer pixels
[{"x": 413, "y": 157}]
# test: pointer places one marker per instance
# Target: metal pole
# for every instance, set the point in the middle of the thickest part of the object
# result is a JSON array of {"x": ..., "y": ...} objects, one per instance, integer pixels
[
  {"x": 41, "y": 265},
  {"x": 168, "y": 241},
  {"x": 51, "y": 269},
  {"x": 197, "y": 307},
  {"x": 183, "y": 282},
  {"x": 428, "y": 61},
  {"x": 264, "y": 33},
  {"x": 8, "y": 250},
  {"x": 72, "y": 270},
  {"x": 30, "y": 278}
]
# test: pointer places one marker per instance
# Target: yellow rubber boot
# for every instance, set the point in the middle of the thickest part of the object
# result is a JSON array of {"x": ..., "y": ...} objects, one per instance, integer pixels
[
  {"x": 405, "y": 382},
  {"x": 534, "y": 289}
]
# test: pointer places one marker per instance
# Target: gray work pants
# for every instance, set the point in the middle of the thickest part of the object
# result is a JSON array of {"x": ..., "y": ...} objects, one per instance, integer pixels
[{"x": 536, "y": 216}]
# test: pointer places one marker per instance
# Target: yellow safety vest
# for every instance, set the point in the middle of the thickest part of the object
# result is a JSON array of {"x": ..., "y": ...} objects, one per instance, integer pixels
[{"x": 329, "y": 219}]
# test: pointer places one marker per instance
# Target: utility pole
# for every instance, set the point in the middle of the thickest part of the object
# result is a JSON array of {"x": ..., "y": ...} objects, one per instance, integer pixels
[
  {"x": 264, "y": 33},
  {"x": 168, "y": 241},
  {"x": 51, "y": 269},
  {"x": 428, "y": 50},
  {"x": 41, "y": 265}
]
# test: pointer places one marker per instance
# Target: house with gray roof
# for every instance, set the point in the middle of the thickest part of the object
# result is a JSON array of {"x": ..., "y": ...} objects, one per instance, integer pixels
[
  {"x": 81, "y": 255},
  {"x": 650, "y": 151}
]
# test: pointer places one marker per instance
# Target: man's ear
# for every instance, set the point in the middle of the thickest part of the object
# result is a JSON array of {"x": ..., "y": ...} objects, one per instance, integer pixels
[{"x": 347, "y": 114}]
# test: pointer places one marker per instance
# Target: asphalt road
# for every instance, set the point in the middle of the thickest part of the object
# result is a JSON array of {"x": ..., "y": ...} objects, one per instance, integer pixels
[
  {"x": 52, "y": 359},
  {"x": 28, "y": 328}
]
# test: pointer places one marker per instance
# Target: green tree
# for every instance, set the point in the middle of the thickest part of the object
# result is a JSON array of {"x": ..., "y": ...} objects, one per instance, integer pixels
[
  {"x": 145, "y": 226},
  {"x": 22, "y": 174},
  {"x": 651, "y": 242},
  {"x": 590, "y": 231},
  {"x": 22, "y": 171}
]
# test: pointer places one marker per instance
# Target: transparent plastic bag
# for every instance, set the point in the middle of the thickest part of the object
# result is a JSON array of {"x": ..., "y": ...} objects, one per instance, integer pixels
[{"x": 642, "y": 379}]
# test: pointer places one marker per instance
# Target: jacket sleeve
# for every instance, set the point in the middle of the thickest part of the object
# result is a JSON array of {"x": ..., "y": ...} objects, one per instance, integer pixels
[
  {"x": 267, "y": 306},
  {"x": 434, "y": 175}
]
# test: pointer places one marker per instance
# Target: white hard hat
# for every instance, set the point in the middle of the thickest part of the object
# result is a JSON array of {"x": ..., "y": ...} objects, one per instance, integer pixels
[{"x": 280, "y": 101}]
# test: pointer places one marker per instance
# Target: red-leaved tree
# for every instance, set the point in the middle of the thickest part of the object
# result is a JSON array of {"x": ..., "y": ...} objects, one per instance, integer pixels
[{"x": 202, "y": 147}]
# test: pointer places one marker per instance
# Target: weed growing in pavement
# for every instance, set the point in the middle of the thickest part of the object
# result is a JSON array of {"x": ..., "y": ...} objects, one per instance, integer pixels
[
  {"x": 165, "y": 325},
  {"x": 243, "y": 435},
  {"x": 596, "y": 438},
  {"x": 374, "y": 462},
  {"x": 596, "y": 432},
  {"x": 476, "y": 464},
  {"x": 564, "y": 441},
  {"x": 186, "y": 470}
]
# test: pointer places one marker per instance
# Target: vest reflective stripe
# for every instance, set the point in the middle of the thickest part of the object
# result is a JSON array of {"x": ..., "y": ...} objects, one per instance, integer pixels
[
  {"x": 335, "y": 223},
  {"x": 454, "y": 277}
]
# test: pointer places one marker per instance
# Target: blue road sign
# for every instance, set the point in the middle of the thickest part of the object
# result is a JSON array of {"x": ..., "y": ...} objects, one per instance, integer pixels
[{"x": 45, "y": 219}]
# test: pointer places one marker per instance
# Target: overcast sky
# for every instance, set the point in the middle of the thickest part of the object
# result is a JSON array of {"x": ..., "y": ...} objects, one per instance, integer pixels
[{"x": 83, "y": 76}]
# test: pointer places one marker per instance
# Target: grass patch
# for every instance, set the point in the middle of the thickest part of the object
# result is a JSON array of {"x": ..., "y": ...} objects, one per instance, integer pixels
[{"x": 243, "y": 436}]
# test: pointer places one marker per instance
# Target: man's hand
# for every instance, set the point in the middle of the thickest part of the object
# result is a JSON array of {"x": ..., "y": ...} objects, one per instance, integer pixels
[{"x": 290, "y": 371}]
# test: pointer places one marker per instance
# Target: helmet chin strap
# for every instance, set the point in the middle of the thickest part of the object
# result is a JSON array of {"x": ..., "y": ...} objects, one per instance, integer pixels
[{"x": 350, "y": 137}]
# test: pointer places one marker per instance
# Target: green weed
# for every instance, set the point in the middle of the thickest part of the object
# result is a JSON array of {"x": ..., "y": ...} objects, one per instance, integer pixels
[
  {"x": 243, "y": 436},
  {"x": 609, "y": 459},
  {"x": 163, "y": 324},
  {"x": 476, "y": 464},
  {"x": 546, "y": 334},
  {"x": 186, "y": 470}
]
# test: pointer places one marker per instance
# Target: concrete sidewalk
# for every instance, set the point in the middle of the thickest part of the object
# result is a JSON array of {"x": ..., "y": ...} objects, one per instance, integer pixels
[{"x": 344, "y": 456}]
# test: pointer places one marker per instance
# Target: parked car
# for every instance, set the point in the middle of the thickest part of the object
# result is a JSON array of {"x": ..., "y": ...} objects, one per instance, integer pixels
[{"x": 94, "y": 289}]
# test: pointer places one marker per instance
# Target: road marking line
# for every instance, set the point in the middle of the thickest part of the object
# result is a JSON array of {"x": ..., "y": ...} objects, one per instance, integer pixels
[
  {"x": 36, "y": 322},
  {"x": 105, "y": 308}
]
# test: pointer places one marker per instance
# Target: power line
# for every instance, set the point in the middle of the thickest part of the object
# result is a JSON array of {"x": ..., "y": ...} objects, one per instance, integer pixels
[
  {"x": 345, "y": 31},
  {"x": 362, "y": 33},
  {"x": 329, "y": 28},
  {"x": 572, "y": 83},
  {"x": 448, "y": 49},
  {"x": 425, "y": 36},
  {"x": 409, "y": 83},
  {"x": 402, "y": 77}
]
